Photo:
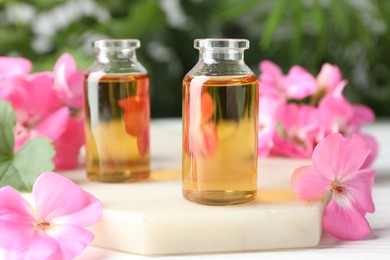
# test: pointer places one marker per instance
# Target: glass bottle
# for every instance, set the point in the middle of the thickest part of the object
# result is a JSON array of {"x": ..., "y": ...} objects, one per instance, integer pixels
[
  {"x": 117, "y": 114},
  {"x": 220, "y": 125}
]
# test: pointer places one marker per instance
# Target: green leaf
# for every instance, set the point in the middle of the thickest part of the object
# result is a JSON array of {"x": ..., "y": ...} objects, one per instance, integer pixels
[
  {"x": 272, "y": 22},
  {"x": 338, "y": 12},
  {"x": 299, "y": 20},
  {"x": 319, "y": 22},
  {"x": 7, "y": 123},
  {"x": 22, "y": 169},
  {"x": 231, "y": 9},
  {"x": 143, "y": 17}
]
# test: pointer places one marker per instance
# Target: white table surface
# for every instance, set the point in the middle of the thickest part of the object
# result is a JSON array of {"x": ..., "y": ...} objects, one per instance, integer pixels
[{"x": 376, "y": 246}]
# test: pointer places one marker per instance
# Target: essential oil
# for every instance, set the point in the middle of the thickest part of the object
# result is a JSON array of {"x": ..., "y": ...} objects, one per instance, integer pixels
[
  {"x": 117, "y": 118},
  {"x": 220, "y": 120}
]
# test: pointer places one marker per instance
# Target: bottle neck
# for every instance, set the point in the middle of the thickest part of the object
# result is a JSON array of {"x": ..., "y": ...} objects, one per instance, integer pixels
[
  {"x": 215, "y": 55},
  {"x": 115, "y": 55}
]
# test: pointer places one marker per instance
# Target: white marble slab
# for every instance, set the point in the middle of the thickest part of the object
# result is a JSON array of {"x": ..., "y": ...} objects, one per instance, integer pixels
[{"x": 152, "y": 217}]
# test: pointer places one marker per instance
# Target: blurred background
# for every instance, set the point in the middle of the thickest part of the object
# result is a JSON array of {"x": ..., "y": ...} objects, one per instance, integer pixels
[{"x": 354, "y": 34}]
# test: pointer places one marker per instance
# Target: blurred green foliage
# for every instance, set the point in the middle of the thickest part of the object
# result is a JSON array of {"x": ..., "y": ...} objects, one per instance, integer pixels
[{"x": 354, "y": 34}]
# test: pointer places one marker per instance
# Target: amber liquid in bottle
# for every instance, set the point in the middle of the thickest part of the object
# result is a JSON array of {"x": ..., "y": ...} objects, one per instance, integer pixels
[
  {"x": 117, "y": 118},
  {"x": 220, "y": 119}
]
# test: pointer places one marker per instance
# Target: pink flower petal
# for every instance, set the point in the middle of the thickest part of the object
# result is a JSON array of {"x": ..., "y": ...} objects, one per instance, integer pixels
[
  {"x": 352, "y": 155},
  {"x": 14, "y": 66},
  {"x": 53, "y": 125},
  {"x": 63, "y": 68},
  {"x": 338, "y": 91},
  {"x": 85, "y": 217},
  {"x": 69, "y": 143},
  {"x": 12, "y": 90},
  {"x": 71, "y": 239},
  {"x": 42, "y": 99},
  {"x": 345, "y": 222},
  {"x": 68, "y": 81},
  {"x": 300, "y": 83},
  {"x": 269, "y": 109},
  {"x": 309, "y": 184},
  {"x": 300, "y": 131},
  {"x": 363, "y": 114},
  {"x": 14, "y": 207},
  {"x": 360, "y": 189},
  {"x": 374, "y": 147},
  {"x": 297, "y": 84},
  {"x": 265, "y": 143},
  {"x": 313, "y": 137},
  {"x": 56, "y": 196},
  {"x": 325, "y": 155},
  {"x": 299, "y": 119},
  {"x": 16, "y": 220},
  {"x": 270, "y": 73},
  {"x": 271, "y": 78},
  {"x": 335, "y": 112},
  {"x": 270, "y": 68},
  {"x": 76, "y": 86},
  {"x": 283, "y": 147},
  {"x": 329, "y": 77},
  {"x": 336, "y": 158},
  {"x": 14, "y": 235},
  {"x": 41, "y": 246}
]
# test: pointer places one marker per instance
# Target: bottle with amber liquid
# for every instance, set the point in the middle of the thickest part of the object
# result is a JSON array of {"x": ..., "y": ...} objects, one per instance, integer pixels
[
  {"x": 117, "y": 114},
  {"x": 220, "y": 125}
]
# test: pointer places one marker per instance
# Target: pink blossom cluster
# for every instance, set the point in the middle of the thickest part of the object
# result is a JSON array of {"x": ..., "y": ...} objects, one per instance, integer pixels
[
  {"x": 298, "y": 110},
  {"x": 46, "y": 104}
]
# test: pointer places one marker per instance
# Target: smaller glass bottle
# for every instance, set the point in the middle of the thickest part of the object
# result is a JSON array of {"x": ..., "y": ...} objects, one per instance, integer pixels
[
  {"x": 220, "y": 124},
  {"x": 117, "y": 114}
]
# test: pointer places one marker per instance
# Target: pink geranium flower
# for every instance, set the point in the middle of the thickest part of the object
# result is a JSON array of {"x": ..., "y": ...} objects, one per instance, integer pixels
[
  {"x": 46, "y": 104},
  {"x": 55, "y": 229},
  {"x": 297, "y": 84},
  {"x": 299, "y": 131},
  {"x": 337, "y": 168},
  {"x": 329, "y": 82},
  {"x": 39, "y": 112}
]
